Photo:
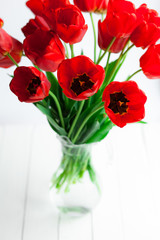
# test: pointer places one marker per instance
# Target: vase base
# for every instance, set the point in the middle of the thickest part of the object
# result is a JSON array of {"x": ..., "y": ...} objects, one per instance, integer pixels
[
  {"x": 74, "y": 211},
  {"x": 81, "y": 198}
]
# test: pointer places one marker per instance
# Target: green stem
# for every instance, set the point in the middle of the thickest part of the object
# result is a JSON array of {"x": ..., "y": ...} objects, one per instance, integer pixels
[
  {"x": 128, "y": 49},
  {"x": 76, "y": 118},
  {"x": 122, "y": 55},
  {"x": 85, "y": 121},
  {"x": 102, "y": 16},
  {"x": 37, "y": 68},
  {"x": 100, "y": 52},
  {"x": 12, "y": 59},
  {"x": 133, "y": 74},
  {"x": 115, "y": 67},
  {"x": 67, "y": 53},
  {"x": 107, "y": 64},
  {"x": 72, "y": 51},
  {"x": 58, "y": 108},
  {"x": 109, "y": 46},
  {"x": 94, "y": 33}
]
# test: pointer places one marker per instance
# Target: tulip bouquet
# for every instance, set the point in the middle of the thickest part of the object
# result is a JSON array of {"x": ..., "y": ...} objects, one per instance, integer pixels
[{"x": 82, "y": 102}]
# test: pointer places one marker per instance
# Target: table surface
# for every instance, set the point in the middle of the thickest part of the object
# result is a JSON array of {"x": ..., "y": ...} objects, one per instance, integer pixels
[{"x": 129, "y": 164}]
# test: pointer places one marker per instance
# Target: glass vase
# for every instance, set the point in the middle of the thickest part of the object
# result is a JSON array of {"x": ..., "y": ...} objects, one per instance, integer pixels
[{"x": 74, "y": 186}]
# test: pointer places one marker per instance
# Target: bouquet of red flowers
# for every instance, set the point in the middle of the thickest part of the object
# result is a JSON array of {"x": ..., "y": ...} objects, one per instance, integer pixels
[{"x": 83, "y": 103}]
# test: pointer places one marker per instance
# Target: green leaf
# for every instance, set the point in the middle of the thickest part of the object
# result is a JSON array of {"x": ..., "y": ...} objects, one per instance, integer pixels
[
  {"x": 51, "y": 119},
  {"x": 88, "y": 132},
  {"x": 82, "y": 52},
  {"x": 64, "y": 102},
  {"x": 54, "y": 82},
  {"x": 46, "y": 110},
  {"x": 55, "y": 87},
  {"x": 85, "y": 113},
  {"x": 109, "y": 71},
  {"x": 142, "y": 122},
  {"x": 10, "y": 75},
  {"x": 92, "y": 126},
  {"x": 118, "y": 68},
  {"x": 98, "y": 96},
  {"x": 67, "y": 104},
  {"x": 56, "y": 127},
  {"x": 71, "y": 114},
  {"x": 102, "y": 132}
]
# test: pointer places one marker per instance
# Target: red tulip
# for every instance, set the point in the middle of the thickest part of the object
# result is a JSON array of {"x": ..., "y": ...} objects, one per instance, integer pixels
[
  {"x": 70, "y": 24},
  {"x": 39, "y": 7},
  {"x": 46, "y": 9},
  {"x": 1, "y": 23},
  {"x": 16, "y": 53},
  {"x": 5, "y": 43},
  {"x": 121, "y": 18},
  {"x": 103, "y": 6},
  {"x": 34, "y": 24},
  {"x": 104, "y": 39},
  {"x": 150, "y": 62},
  {"x": 124, "y": 102},
  {"x": 44, "y": 49},
  {"x": 79, "y": 77},
  {"x": 148, "y": 32},
  {"x": 29, "y": 84},
  {"x": 92, "y": 5}
]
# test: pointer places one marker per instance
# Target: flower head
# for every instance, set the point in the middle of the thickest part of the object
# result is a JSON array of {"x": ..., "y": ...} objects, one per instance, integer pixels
[
  {"x": 148, "y": 32},
  {"x": 5, "y": 43},
  {"x": 29, "y": 84},
  {"x": 46, "y": 9},
  {"x": 44, "y": 49},
  {"x": 150, "y": 62},
  {"x": 70, "y": 24},
  {"x": 104, "y": 39},
  {"x": 40, "y": 7},
  {"x": 79, "y": 77},
  {"x": 1, "y": 23},
  {"x": 121, "y": 18},
  {"x": 34, "y": 24},
  {"x": 124, "y": 102},
  {"x": 16, "y": 53},
  {"x": 92, "y": 5}
]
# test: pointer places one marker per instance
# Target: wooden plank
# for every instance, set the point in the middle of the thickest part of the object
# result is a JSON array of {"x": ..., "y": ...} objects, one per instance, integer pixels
[
  {"x": 41, "y": 218},
  {"x": 13, "y": 173},
  {"x": 75, "y": 228},
  {"x": 127, "y": 207},
  {"x": 2, "y": 134},
  {"x": 107, "y": 222},
  {"x": 134, "y": 184},
  {"x": 151, "y": 133}
]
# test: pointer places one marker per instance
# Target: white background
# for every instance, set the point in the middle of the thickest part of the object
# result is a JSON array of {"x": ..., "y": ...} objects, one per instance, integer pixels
[{"x": 15, "y": 15}]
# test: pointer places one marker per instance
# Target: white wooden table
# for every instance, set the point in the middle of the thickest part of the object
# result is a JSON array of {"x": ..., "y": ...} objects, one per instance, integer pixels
[{"x": 129, "y": 162}]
